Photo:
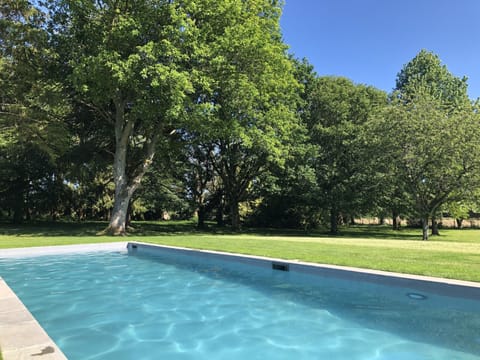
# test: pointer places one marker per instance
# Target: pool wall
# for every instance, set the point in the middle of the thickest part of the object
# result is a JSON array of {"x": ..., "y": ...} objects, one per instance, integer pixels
[{"x": 439, "y": 286}]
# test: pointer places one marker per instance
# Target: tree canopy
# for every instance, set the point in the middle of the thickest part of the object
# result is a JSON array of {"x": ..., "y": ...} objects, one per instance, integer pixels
[
  {"x": 345, "y": 172},
  {"x": 426, "y": 71},
  {"x": 430, "y": 131},
  {"x": 117, "y": 109}
]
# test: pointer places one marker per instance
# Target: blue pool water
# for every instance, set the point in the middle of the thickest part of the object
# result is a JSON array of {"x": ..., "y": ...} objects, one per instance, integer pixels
[{"x": 118, "y": 306}]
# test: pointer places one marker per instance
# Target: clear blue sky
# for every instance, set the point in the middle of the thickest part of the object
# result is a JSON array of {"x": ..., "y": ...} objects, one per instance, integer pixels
[{"x": 368, "y": 41}]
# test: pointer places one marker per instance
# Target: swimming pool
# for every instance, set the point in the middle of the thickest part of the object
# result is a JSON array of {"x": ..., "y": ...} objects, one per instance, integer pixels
[{"x": 171, "y": 304}]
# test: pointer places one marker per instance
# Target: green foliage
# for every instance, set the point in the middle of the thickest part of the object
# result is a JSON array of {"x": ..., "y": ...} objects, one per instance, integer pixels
[
  {"x": 32, "y": 103},
  {"x": 427, "y": 136},
  {"x": 245, "y": 113},
  {"x": 289, "y": 192},
  {"x": 345, "y": 163},
  {"x": 94, "y": 94},
  {"x": 25, "y": 180},
  {"x": 290, "y": 201},
  {"x": 33, "y": 106},
  {"x": 426, "y": 72},
  {"x": 128, "y": 53},
  {"x": 434, "y": 152}
]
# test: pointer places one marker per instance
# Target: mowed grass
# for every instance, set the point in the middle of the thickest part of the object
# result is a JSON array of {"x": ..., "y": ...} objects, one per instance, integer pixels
[{"x": 455, "y": 254}]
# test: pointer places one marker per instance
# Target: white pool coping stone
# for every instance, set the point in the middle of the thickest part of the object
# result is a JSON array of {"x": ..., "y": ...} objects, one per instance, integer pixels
[{"x": 22, "y": 337}]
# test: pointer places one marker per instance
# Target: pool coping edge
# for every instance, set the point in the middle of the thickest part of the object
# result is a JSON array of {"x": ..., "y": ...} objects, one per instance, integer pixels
[{"x": 24, "y": 338}]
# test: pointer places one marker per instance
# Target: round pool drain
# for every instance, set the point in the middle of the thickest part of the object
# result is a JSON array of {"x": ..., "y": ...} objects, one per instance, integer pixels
[{"x": 416, "y": 296}]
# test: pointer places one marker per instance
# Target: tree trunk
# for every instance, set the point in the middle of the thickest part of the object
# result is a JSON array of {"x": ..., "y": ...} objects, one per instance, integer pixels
[
  {"x": 124, "y": 187},
  {"x": 381, "y": 220},
  {"x": 219, "y": 215},
  {"x": 435, "y": 231},
  {"x": 18, "y": 214},
  {"x": 201, "y": 217},
  {"x": 118, "y": 219},
  {"x": 235, "y": 214},
  {"x": 19, "y": 204},
  {"x": 395, "y": 220},
  {"x": 128, "y": 221},
  {"x": 459, "y": 223},
  {"x": 123, "y": 130},
  {"x": 425, "y": 228},
  {"x": 333, "y": 221}
]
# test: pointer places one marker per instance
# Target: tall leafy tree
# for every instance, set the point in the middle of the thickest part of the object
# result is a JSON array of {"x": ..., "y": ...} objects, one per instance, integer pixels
[
  {"x": 139, "y": 65},
  {"x": 32, "y": 109},
  {"x": 427, "y": 72},
  {"x": 289, "y": 200},
  {"x": 436, "y": 169},
  {"x": 248, "y": 108},
  {"x": 427, "y": 92},
  {"x": 128, "y": 62},
  {"x": 32, "y": 102},
  {"x": 345, "y": 168}
]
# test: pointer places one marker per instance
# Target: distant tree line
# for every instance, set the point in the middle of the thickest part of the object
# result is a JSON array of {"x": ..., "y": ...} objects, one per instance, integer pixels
[{"x": 119, "y": 110}]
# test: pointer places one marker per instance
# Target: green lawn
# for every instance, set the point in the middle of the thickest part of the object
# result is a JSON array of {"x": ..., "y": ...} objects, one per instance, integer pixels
[{"x": 455, "y": 254}]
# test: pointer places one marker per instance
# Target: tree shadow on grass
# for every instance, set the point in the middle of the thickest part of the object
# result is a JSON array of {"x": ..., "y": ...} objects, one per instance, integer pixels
[
  {"x": 52, "y": 229},
  {"x": 95, "y": 228},
  {"x": 158, "y": 228},
  {"x": 380, "y": 232},
  {"x": 357, "y": 231}
]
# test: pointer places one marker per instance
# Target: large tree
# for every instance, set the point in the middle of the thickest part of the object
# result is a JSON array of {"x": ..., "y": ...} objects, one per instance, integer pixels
[
  {"x": 143, "y": 66},
  {"x": 345, "y": 167},
  {"x": 247, "y": 112},
  {"x": 32, "y": 111},
  {"x": 129, "y": 62},
  {"x": 291, "y": 197},
  {"x": 32, "y": 102},
  {"x": 427, "y": 72},
  {"x": 435, "y": 152},
  {"x": 426, "y": 99}
]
